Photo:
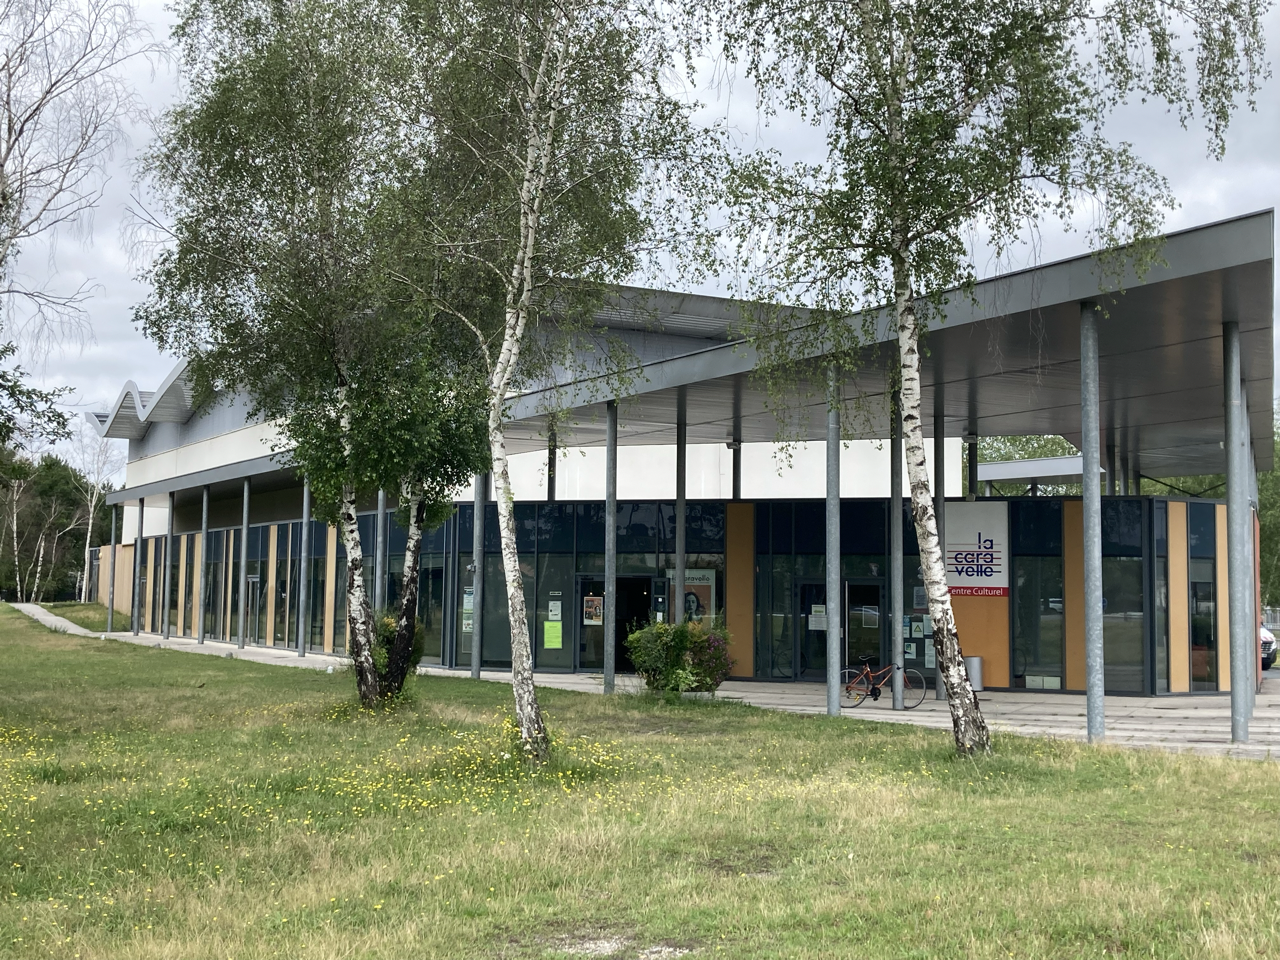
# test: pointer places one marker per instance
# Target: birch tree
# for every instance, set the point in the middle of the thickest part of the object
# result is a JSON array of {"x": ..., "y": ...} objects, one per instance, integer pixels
[
  {"x": 576, "y": 163},
  {"x": 96, "y": 460},
  {"x": 948, "y": 116},
  {"x": 284, "y": 178}
]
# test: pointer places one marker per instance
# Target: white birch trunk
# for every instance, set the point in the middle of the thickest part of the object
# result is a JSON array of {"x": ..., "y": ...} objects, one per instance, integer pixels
[
  {"x": 359, "y": 613},
  {"x": 968, "y": 724},
  {"x": 407, "y": 617},
  {"x": 88, "y": 539}
]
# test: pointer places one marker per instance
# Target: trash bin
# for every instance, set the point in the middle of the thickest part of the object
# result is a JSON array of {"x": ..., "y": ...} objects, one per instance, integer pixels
[{"x": 973, "y": 666}]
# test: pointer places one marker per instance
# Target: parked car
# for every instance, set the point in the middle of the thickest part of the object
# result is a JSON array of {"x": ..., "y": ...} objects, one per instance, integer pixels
[{"x": 1268, "y": 649}]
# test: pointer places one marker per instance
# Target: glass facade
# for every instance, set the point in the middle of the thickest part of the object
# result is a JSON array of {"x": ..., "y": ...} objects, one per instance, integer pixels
[{"x": 561, "y": 559}]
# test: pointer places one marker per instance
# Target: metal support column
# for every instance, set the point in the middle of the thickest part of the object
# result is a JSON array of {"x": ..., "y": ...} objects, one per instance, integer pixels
[
  {"x": 1095, "y": 683},
  {"x": 244, "y": 565},
  {"x": 895, "y": 549},
  {"x": 111, "y": 576},
  {"x": 137, "y": 606},
  {"x": 972, "y": 484},
  {"x": 611, "y": 543},
  {"x": 1239, "y": 535},
  {"x": 477, "y": 573},
  {"x": 682, "y": 464},
  {"x": 551, "y": 460},
  {"x": 940, "y": 466},
  {"x": 380, "y": 554},
  {"x": 737, "y": 438},
  {"x": 834, "y": 604},
  {"x": 304, "y": 572},
  {"x": 1112, "y": 487},
  {"x": 204, "y": 560},
  {"x": 166, "y": 578}
]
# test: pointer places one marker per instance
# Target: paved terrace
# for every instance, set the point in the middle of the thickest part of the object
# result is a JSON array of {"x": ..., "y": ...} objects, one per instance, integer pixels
[{"x": 1194, "y": 724}]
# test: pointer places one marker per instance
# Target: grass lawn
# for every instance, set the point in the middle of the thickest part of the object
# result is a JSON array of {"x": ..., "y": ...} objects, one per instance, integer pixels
[
  {"x": 91, "y": 616},
  {"x": 159, "y": 804}
]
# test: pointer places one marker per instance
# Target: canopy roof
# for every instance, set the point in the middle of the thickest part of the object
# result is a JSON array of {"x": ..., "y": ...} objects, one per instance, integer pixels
[{"x": 1004, "y": 362}]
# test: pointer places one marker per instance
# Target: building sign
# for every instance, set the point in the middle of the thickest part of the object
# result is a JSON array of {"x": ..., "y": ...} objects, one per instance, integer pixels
[{"x": 977, "y": 553}]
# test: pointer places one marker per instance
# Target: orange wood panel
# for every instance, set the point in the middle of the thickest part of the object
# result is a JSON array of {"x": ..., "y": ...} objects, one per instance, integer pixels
[
  {"x": 1224, "y": 619},
  {"x": 983, "y": 625},
  {"x": 1073, "y": 590},
  {"x": 1179, "y": 601},
  {"x": 330, "y": 574},
  {"x": 124, "y": 581},
  {"x": 740, "y": 585}
]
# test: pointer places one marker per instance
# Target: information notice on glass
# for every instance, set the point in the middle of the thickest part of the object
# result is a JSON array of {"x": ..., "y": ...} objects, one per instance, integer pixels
[{"x": 552, "y": 635}]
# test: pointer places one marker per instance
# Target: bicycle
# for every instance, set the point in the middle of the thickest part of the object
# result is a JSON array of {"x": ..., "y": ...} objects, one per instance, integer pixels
[{"x": 858, "y": 684}]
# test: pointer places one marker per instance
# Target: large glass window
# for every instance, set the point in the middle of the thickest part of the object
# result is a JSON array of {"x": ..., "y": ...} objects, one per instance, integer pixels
[
  {"x": 1160, "y": 602},
  {"x": 1038, "y": 637},
  {"x": 1122, "y": 624},
  {"x": 1202, "y": 575}
]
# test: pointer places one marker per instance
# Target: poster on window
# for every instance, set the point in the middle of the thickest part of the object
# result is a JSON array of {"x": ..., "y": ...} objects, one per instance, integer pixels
[
  {"x": 592, "y": 611},
  {"x": 699, "y": 594},
  {"x": 977, "y": 553}
]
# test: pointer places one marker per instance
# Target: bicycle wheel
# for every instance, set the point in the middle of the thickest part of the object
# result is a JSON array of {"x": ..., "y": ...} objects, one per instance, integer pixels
[
  {"x": 854, "y": 687},
  {"x": 912, "y": 689}
]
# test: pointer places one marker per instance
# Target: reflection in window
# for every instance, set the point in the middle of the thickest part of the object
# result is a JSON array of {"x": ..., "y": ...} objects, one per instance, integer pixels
[
  {"x": 1122, "y": 625},
  {"x": 1204, "y": 625},
  {"x": 1038, "y": 640}
]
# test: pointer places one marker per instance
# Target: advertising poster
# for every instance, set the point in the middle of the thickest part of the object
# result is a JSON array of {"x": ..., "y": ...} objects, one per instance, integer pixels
[
  {"x": 977, "y": 553},
  {"x": 468, "y": 609},
  {"x": 593, "y": 611},
  {"x": 699, "y": 594}
]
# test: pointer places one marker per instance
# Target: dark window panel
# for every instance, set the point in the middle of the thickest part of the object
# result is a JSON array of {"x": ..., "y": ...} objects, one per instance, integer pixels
[
  {"x": 781, "y": 527},
  {"x": 811, "y": 526},
  {"x": 637, "y": 527},
  {"x": 862, "y": 529},
  {"x": 1202, "y": 541},
  {"x": 762, "y": 529},
  {"x": 704, "y": 527},
  {"x": 555, "y": 528},
  {"x": 591, "y": 527},
  {"x": 1036, "y": 528},
  {"x": 1121, "y": 528},
  {"x": 1161, "y": 522}
]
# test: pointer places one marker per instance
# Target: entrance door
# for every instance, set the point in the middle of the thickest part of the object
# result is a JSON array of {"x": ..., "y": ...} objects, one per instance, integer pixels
[
  {"x": 811, "y": 629},
  {"x": 257, "y": 624},
  {"x": 864, "y": 627},
  {"x": 635, "y": 609}
]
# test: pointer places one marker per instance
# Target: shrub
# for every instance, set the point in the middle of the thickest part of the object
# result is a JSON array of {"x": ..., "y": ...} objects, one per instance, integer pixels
[
  {"x": 385, "y": 635},
  {"x": 688, "y": 656}
]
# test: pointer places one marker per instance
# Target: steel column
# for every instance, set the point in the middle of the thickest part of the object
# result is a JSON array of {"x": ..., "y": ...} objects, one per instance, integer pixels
[
  {"x": 204, "y": 559},
  {"x": 972, "y": 469},
  {"x": 1095, "y": 678},
  {"x": 834, "y": 618},
  {"x": 551, "y": 460},
  {"x": 477, "y": 573},
  {"x": 737, "y": 438},
  {"x": 940, "y": 465},
  {"x": 1239, "y": 536},
  {"x": 165, "y": 580},
  {"x": 380, "y": 555},
  {"x": 304, "y": 572},
  {"x": 136, "y": 612},
  {"x": 244, "y": 565},
  {"x": 895, "y": 549},
  {"x": 682, "y": 464},
  {"x": 1124, "y": 477},
  {"x": 611, "y": 544},
  {"x": 111, "y": 576},
  {"x": 1112, "y": 486}
]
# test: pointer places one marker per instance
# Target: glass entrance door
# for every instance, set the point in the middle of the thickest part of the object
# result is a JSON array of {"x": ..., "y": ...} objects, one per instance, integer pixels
[
  {"x": 864, "y": 627},
  {"x": 811, "y": 629}
]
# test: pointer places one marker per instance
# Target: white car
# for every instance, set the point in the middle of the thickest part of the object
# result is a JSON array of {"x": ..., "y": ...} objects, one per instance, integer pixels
[{"x": 1268, "y": 648}]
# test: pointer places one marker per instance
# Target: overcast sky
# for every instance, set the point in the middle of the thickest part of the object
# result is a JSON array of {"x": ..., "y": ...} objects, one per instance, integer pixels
[{"x": 1248, "y": 179}]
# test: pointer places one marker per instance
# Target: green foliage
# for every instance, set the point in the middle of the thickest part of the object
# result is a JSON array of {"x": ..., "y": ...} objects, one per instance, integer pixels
[
  {"x": 679, "y": 657},
  {"x": 384, "y": 638},
  {"x": 28, "y": 415},
  {"x": 291, "y": 173}
]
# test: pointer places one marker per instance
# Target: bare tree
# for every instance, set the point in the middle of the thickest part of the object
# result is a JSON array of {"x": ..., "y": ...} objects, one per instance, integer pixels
[{"x": 96, "y": 461}]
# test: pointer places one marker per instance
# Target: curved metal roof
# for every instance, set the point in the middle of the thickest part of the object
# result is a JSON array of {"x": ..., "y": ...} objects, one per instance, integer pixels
[{"x": 135, "y": 410}]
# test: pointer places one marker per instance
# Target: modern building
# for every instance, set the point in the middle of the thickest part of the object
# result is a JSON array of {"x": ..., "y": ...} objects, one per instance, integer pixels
[{"x": 1172, "y": 377}]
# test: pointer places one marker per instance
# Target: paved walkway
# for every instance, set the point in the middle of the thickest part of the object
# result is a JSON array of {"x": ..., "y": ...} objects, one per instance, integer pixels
[
  {"x": 272, "y": 655},
  {"x": 1197, "y": 724}
]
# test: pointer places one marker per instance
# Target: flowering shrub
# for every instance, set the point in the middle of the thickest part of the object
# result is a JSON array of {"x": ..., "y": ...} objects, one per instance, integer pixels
[{"x": 688, "y": 656}]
